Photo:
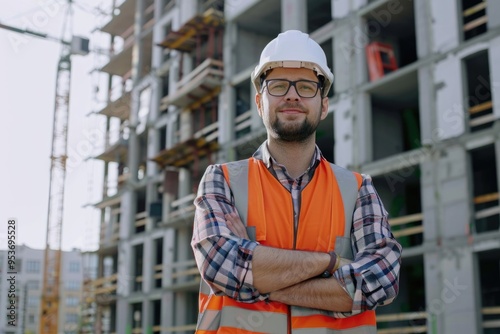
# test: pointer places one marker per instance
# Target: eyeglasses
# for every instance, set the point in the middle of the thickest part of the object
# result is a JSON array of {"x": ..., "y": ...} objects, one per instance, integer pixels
[{"x": 280, "y": 87}]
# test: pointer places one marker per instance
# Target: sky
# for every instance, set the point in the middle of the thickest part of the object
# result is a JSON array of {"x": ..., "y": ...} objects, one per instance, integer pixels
[{"x": 27, "y": 89}]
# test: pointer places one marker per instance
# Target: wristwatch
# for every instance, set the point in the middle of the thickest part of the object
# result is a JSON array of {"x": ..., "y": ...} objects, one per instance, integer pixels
[{"x": 332, "y": 266}]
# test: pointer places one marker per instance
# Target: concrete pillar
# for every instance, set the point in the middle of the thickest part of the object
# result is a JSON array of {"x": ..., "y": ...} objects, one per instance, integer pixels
[
  {"x": 147, "y": 266},
  {"x": 340, "y": 8},
  {"x": 167, "y": 300},
  {"x": 445, "y": 28},
  {"x": 128, "y": 208},
  {"x": 343, "y": 122},
  {"x": 497, "y": 158},
  {"x": 167, "y": 305},
  {"x": 294, "y": 15},
  {"x": 147, "y": 316},
  {"x": 257, "y": 123},
  {"x": 493, "y": 20},
  {"x": 449, "y": 266},
  {"x": 449, "y": 106},
  {"x": 186, "y": 125},
  {"x": 137, "y": 48},
  {"x": 227, "y": 98},
  {"x": 494, "y": 56},
  {"x": 363, "y": 134},
  {"x": 427, "y": 113},
  {"x": 342, "y": 59},
  {"x": 454, "y": 191},
  {"x": 451, "y": 292},
  {"x": 423, "y": 23},
  {"x": 123, "y": 316},
  {"x": 188, "y": 9},
  {"x": 133, "y": 141},
  {"x": 226, "y": 116}
]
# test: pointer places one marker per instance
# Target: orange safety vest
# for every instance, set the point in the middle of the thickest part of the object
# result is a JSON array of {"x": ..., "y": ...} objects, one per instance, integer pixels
[{"x": 330, "y": 193}]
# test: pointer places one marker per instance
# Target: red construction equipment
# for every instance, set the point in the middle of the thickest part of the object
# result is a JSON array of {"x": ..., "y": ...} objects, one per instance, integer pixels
[{"x": 381, "y": 59}]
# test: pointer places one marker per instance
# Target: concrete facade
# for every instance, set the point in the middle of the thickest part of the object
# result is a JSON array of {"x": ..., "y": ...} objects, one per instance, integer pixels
[{"x": 179, "y": 91}]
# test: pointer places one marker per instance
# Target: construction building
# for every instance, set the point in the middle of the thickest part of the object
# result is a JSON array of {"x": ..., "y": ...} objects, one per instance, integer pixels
[
  {"x": 28, "y": 282},
  {"x": 415, "y": 104}
]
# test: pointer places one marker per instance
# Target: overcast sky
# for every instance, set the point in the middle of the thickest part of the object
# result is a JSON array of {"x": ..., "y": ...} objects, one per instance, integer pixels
[{"x": 27, "y": 88}]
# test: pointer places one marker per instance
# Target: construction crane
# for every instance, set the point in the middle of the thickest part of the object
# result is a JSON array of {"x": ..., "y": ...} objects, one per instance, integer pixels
[{"x": 49, "y": 310}]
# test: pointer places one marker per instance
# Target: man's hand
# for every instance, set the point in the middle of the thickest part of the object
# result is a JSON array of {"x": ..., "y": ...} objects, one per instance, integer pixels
[{"x": 236, "y": 226}]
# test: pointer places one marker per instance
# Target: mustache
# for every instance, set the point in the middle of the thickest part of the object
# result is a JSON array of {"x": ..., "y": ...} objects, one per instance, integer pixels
[{"x": 291, "y": 105}]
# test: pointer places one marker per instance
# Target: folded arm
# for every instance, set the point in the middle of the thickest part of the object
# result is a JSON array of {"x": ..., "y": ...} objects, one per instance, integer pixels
[
  {"x": 233, "y": 265},
  {"x": 363, "y": 284}
]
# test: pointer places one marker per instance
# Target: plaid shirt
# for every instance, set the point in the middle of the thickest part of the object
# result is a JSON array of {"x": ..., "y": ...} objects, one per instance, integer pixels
[{"x": 225, "y": 260}]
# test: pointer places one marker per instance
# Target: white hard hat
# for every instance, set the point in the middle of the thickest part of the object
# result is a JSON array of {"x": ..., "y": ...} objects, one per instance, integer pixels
[{"x": 294, "y": 49}]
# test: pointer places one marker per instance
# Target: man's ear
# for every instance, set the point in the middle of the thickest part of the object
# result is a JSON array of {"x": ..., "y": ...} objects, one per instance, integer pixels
[
  {"x": 324, "y": 107},
  {"x": 258, "y": 103}
]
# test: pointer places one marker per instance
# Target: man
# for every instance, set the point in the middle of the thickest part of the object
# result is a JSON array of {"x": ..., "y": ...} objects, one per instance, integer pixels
[{"x": 316, "y": 254}]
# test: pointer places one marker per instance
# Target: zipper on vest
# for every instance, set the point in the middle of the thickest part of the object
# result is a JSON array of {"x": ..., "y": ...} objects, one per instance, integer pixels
[
  {"x": 295, "y": 232},
  {"x": 296, "y": 226}
]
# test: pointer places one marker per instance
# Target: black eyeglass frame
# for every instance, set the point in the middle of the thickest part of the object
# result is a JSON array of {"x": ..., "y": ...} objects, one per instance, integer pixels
[{"x": 319, "y": 86}]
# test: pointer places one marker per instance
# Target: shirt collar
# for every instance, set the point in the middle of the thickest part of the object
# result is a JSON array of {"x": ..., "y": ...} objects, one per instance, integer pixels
[{"x": 265, "y": 156}]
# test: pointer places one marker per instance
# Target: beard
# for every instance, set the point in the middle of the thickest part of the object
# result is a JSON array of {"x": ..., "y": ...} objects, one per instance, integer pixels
[{"x": 294, "y": 132}]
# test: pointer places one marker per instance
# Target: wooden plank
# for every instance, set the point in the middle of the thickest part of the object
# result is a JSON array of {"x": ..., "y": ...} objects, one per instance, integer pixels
[
  {"x": 491, "y": 324},
  {"x": 487, "y": 212},
  {"x": 183, "y": 200},
  {"x": 401, "y": 316},
  {"x": 406, "y": 219},
  {"x": 475, "y": 23},
  {"x": 188, "y": 272},
  {"x": 181, "y": 328},
  {"x": 403, "y": 330},
  {"x": 488, "y": 118},
  {"x": 474, "y": 9},
  {"x": 491, "y": 310},
  {"x": 108, "y": 289},
  {"x": 486, "y": 198},
  {"x": 481, "y": 107},
  {"x": 408, "y": 231},
  {"x": 105, "y": 279},
  {"x": 140, "y": 222}
]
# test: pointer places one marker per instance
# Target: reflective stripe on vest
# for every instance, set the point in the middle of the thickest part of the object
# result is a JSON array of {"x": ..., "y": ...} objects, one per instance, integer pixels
[{"x": 221, "y": 314}]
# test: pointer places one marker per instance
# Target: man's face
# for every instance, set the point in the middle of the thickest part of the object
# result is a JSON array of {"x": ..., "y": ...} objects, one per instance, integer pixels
[{"x": 291, "y": 118}]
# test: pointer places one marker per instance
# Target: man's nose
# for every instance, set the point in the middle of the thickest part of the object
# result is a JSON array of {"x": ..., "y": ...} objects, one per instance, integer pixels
[{"x": 292, "y": 93}]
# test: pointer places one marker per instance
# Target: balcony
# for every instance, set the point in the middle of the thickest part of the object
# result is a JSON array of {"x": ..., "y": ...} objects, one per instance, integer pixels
[
  {"x": 124, "y": 21},
  {"x": 185, "y": 38},
  {"x": 119, "y": 108},
  {"x": 197, "y": 87},
  {"x": 116, "y": 145},
  {"x": 105, "y": 288},
  {"x": 120, "y": 63},
  {"x": 185, "y": 152}
]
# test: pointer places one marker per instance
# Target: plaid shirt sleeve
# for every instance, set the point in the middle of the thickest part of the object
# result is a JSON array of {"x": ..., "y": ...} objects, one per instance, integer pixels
[
  {"x": 372, "y": 279},
  {"x": 224, "y": 260}
]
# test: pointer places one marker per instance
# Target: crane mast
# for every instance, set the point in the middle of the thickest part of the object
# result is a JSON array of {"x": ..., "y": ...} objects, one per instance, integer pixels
[{"x": 52, "y": 260}]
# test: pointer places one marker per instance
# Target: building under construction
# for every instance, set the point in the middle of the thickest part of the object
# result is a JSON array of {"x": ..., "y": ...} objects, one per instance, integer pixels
[{"x": 415, "y": 104}]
